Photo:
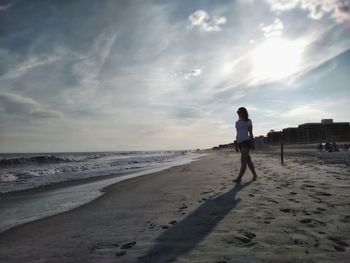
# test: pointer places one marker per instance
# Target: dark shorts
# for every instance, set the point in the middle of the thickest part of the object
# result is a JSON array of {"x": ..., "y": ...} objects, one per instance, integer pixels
[{"x": 245, "y": 144}]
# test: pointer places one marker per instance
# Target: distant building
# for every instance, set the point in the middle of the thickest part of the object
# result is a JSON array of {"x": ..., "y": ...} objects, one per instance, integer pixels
[
  {"x": 327, "y": 130},
  {"x": 310, "y": 133},
  {"x": 323, "y": 131},
  {"x": 224, "y": 146},
  {"x": 327, "y": 121},
  {"x": 290, "y": 135},
  {"x": 274, "y": 137},
  {"x": 260, "y": 139}
]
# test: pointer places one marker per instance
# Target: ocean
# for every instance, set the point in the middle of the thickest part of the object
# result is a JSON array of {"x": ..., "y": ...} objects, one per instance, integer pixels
[
  {"x": 26, "y": 171},
  {"x": 22, "y": 174}
]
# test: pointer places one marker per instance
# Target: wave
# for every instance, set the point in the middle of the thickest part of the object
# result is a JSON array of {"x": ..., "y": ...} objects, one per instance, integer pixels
[
  {"x": 8, "y": 177},
  {"x": 24, "y": 171},
  {"x": 54, "y": 159},
  {"x": 50, "y": 158},
  {"x": 35, "y": 159}
]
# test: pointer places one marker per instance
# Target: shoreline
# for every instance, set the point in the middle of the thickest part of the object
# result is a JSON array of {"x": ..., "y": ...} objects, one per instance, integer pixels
[
  {"x": 194, "y": 213},
  {"x": 87, "y": 190},
  {"x": 107, "y": 173},
  {"x": 62, "y": 184},
  {"x": 73, "y": 182}
]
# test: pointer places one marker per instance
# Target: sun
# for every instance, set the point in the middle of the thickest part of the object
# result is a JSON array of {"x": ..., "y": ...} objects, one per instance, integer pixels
[{"x": 276, "y": 59}]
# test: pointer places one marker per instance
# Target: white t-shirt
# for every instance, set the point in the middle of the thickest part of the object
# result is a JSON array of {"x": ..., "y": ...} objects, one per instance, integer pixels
[{"x": 242, "y": 130}]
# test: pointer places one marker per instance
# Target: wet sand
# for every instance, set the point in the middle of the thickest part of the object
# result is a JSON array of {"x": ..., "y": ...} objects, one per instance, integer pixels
[{"x": 298, "y": 212}]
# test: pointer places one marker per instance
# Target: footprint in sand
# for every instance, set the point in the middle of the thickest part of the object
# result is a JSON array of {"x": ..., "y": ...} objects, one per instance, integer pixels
[
  {"x": 339, "y": 245},
  {"x": 323, "y": 193},
  {"x": 174, "y": 222},
  {"x": 242, "y": 239},
  {"x": 305, "y": 212},
  {"x": 272, "y": 201},
  {"x": 293, "y": 200},
  {"x": 319, "y": 200},
  {"x": 247, "y": 234},
  {"x": 285, "y": 185},
  {"x": 268, "y": 219},
  {"x": 286, "y": 210},
  {"x": 103, "y": 248},
  {"x": 121, "y": 253},
  {"x": 150, "y": 225},
  {"x": 171, "y": 223},
  {"x": 299, "y": 240},
  {"x": 182, "y": 208},
  {"x": 319, "y": 210},
  {"x": 338, "y": 178},
  {"x": 312, "y": 222},
  {"x": 202, "y": 200},
  {"x": 128, "y": 245},
  {"x": 308, "y": 186},
  {"x": 346, "y": 219}
]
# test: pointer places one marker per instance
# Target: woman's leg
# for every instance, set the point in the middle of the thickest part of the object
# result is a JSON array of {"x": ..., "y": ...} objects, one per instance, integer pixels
[
  {"x": 251, "y": 167},
  {"x": 244, "y": 159}
]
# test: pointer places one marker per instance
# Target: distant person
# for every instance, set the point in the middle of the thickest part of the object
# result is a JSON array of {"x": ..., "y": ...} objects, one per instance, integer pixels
[
  {"x": 244, "y": 142},
  {"x": 335, "y": 147},
  {"x": 328, "y": 147},
  {"x": 320, "y": 147}
]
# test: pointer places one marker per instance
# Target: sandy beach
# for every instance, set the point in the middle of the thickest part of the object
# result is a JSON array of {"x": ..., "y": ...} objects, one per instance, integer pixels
[{"x": 297, "y": 212}]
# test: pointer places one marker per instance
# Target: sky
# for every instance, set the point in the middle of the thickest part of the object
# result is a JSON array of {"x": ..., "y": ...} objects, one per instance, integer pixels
[{"x": 158, "y": 75}]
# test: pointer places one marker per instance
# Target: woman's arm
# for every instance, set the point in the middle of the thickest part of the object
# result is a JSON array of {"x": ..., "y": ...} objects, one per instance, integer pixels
[
  {"x": 236, "y": 146},
  {"x": 250, "y": 131}
]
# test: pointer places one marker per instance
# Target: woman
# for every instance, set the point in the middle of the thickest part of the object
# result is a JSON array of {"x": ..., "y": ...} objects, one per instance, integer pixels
[{"x": 245, "y": 142}]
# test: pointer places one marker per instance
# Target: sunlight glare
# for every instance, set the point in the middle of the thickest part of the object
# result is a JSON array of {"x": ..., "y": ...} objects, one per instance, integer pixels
[{"x": 276, "y": 59}]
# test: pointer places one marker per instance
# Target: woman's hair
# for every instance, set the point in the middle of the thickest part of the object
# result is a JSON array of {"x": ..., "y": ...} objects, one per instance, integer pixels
[{"x": 245, "y": 113}]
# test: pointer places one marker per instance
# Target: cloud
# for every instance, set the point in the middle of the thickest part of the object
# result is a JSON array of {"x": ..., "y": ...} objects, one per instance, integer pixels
[
  {"x": 283, "y": 4},
  {"x": 18, "y": 105},
  {"x": 301, "y": 111},
  {"x": 205, "y": 22},
  {"x": 27, "y": 65},
  {"x": 341, "y": 14},
  {"x": 5, "y": 7},
  {"x": 273, "y": 30},
  {"x": 193, "y": 73},
  {"x": 339, "y": 10},
  {"x": 88, "y": 68}
]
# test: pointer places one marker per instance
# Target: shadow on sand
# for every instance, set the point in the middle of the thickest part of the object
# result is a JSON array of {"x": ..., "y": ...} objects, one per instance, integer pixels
[{"x": 184, "y": 236}]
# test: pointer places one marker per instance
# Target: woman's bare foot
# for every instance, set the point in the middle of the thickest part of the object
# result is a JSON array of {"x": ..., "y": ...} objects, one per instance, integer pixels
[{"x": 255, "y": 177}]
